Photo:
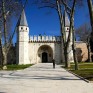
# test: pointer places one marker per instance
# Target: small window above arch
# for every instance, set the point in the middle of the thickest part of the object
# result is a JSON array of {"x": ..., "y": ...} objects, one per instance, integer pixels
[
  {"x": 21, "y": 27},
  {"x": 68, "y": 28},
  {"x": 26, "y": 28}
]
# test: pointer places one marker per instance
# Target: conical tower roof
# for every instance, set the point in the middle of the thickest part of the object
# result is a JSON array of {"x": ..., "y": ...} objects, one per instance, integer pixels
[
  {"x": 22, "y": 20},
  {"x": 66, "y": 20}
]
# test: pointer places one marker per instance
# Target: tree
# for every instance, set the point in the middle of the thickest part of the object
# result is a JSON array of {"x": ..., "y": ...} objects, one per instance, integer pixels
[
  {"x": 57, "y": 5},
  {"x": 90, "y": 6},
  {"x": 70, "y": 8},
  {"x": 83, "y": 34},
  {"x": 62, "y": 29},
  {"x": 83, "y": 31},
  {"x": 1, "y": 58},
  {"x": 8, "y": 9}
]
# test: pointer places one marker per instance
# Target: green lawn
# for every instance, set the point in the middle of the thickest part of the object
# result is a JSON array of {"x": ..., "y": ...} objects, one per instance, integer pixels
[
  {"x": 85, "y": 70},
  {"x": 17, "y": 67},
  {"x": 83, "y": 66}
]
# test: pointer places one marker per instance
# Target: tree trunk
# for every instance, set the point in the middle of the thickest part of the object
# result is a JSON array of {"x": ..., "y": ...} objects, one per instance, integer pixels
[
  {"x": 5, "y": 35},
  {"x": 1, "y": 51},
  {"x": 89, "y": 50},
  {"x": 5, "y": 60},
  {"x": 70, "y": 32},
  {"x": 61, "y": 28},
  {"x": 90, "y": 6},
  {"x": 74, "y": 52},
  {"x": 73, "y": 41},
  {"x": 67, "y": 58},
  {"x": 89, "y": 53}
]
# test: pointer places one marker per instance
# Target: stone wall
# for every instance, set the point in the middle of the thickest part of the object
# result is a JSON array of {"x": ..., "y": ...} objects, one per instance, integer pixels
[
  {"x": 35, "y": 54},
  {"x": 44, "y": 38},
  {"x": 82, "y": 52}
]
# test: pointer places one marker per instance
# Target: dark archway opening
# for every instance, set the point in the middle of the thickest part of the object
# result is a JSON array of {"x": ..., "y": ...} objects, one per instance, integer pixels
[
  {"x": 44, "y": 57},
  {"x": 45, "y": 54}
]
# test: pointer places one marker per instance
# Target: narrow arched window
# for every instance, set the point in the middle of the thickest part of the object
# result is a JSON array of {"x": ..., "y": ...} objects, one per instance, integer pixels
[
  {"x": 21, "y": 27},
  {"x": 67, "y": 28}
]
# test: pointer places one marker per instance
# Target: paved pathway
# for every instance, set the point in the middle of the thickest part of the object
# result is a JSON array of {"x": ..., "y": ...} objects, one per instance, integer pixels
[{"x": 42, "y": 78}]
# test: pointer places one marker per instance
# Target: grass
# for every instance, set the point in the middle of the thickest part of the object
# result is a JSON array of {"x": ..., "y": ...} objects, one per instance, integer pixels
[
  {"x": 17, "y": 67},
  {"x": 85, "y": 73},
  {"x": 83, "y": 66},
  {"x": 85, "y": 70}
]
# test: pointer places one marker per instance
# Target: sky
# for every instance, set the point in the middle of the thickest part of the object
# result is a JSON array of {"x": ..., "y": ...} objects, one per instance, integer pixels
[{"x": 45, "y": 20}]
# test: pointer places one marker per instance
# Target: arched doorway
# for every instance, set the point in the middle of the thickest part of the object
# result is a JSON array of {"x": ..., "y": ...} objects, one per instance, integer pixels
[
  {"x": 44, "y": 57},
  {"x": 45, "y": 54}
]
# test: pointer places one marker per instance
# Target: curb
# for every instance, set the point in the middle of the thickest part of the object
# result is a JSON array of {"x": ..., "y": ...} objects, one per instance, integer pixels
[{"x": 79, "y": 77}]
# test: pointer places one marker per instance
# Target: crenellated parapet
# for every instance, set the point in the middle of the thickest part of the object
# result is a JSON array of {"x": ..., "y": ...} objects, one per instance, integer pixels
[{"x": 44, "y": 38}]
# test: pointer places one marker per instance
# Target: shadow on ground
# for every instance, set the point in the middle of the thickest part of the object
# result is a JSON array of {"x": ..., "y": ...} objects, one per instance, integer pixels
[{"x": 40, "y": 77}]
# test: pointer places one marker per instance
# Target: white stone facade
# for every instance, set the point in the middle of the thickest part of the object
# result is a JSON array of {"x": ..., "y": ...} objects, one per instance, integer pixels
[
  {"x": 22, "y": 45},
  {"x": 70, "y": 51},
  {"x": 48, "y": 44},
  {"x": 33, "y": 49},
  {"x": 37, "y": 49}
]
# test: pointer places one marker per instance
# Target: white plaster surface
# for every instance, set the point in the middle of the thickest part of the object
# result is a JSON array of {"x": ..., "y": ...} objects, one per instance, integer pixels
[
  {"x": 22, "y": 45},
  {"x": 42, "y": 78},
  {"x": 34, "y": 48}
]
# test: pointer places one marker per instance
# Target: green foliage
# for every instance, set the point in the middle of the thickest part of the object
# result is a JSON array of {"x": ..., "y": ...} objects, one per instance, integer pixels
[{"x": 17, "y": 67}]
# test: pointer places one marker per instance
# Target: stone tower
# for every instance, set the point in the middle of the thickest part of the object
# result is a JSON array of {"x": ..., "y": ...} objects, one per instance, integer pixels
[
  {"x": 67, "y": 26},
  {"x": 22, "y": 40}
]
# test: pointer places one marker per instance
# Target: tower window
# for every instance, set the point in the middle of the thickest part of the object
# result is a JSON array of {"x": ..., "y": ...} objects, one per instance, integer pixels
[
  {"x": 67, "y": 28},
  {"x": 26, "y": 28},
  {"x": 49, "y": 55},
  {"x": 21, "y": 27}
]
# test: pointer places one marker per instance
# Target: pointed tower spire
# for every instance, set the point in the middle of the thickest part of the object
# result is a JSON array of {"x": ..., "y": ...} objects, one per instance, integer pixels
[
  {"x": 22, "y": 20},
  {"x": 22, "y": 40},
  {"x": 66, "y": 20}
]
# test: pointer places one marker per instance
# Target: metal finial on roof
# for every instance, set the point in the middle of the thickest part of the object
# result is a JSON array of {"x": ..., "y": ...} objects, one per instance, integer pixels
[
  {"x": 22, "y": 19},
  {"x": 66, "y": 19}
]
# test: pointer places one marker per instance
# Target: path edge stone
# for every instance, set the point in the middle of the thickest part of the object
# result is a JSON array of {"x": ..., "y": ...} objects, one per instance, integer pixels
[{"x": 79, "y": 76}]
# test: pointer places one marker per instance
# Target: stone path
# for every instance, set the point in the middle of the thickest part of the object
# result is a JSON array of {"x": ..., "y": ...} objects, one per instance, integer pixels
[{"x": 42, "y": 78}]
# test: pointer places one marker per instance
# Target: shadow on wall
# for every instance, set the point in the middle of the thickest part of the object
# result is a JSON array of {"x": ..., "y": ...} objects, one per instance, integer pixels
[
  {"x": 45, "y": 53},
  {"x": 92, "y": 57},
  {"x": 79, "y": 54},
  {"x": 11, "y": 57},
  {"x": 0, "y": 57},
  {"x": 57, "y": 53},
  {"x": 91, "y": 47}
]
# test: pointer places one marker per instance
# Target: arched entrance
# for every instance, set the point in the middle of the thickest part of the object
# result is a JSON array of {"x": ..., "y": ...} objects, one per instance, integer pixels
[
  {"x": 45, "y": 54},
  {"x": 44, "y": 57}
]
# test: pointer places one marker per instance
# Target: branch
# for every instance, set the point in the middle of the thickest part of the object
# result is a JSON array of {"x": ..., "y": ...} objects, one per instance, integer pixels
[
  {"x": 46, "y": 6},
  {"x": 11, "y": 37},
  {"x": 71, "y": 23},
  {"x": 66, "y": 6}
]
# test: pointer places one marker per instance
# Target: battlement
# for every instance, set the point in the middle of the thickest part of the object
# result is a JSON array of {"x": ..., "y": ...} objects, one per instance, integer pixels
[{"x": 44, "y": 38}]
